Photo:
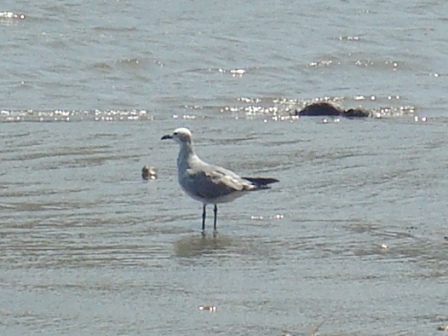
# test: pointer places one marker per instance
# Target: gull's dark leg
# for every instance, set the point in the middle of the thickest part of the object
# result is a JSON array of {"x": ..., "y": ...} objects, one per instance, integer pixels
[
  {"x": 203, "y": 218},
  {"x": 215, "y": 211}
]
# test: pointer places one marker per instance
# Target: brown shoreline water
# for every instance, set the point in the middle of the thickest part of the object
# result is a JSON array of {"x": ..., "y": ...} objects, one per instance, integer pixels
[{"x": 352, "y": 234}]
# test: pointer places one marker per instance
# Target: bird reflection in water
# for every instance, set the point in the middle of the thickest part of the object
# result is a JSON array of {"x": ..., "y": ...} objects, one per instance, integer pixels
[{"x": 195, "y": 245}]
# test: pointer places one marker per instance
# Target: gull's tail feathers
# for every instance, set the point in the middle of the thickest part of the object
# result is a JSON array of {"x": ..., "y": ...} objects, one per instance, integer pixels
[{"x": 261, "y": 182}]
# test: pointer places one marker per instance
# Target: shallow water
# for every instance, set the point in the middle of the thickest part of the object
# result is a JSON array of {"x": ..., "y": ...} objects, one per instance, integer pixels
[
  {"x": 353, "y": 236},
  {"x": 90, "y": 247}
]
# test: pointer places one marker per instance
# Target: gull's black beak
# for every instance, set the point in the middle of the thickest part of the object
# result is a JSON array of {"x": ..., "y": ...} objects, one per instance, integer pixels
[{"x": 166, "y": 137}]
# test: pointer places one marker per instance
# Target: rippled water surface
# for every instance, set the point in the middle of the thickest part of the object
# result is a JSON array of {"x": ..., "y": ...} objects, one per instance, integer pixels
[{"x": 354, "y": 236}]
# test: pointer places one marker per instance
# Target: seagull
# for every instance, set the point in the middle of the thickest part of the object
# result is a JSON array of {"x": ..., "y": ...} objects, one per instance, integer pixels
[{"x": 206, "y": 183}]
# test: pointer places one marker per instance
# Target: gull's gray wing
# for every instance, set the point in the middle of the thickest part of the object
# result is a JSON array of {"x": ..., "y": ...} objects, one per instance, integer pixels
[{"x": 209, "y": 182}]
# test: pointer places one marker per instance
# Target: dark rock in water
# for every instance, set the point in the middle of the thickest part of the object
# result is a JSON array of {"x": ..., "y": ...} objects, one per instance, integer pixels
[
  {"x": 327, "y": 109},
  {"x": 323, "y": 109},
  {"x": 358, "y": 112},
  {"x": 149, "y": 173}
]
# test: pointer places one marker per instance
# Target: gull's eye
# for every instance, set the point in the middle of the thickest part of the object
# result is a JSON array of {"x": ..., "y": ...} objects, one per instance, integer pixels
[{"x": 175, "y": 133}]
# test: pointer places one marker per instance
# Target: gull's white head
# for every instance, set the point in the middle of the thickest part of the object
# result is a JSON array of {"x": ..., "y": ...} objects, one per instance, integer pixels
[{"x": 180, "y": 135}]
